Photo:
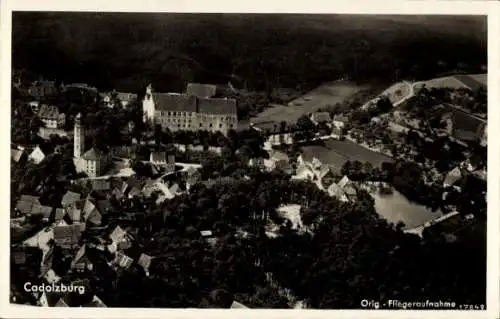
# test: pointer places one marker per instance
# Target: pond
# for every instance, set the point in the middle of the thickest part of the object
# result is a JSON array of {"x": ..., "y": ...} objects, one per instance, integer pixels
[{"x": 396, "y": 207}]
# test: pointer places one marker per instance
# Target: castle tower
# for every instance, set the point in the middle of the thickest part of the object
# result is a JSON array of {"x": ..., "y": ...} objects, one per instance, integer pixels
[
  {"x": 79, "y": 138},
  {"x": 148, "y": 106}
]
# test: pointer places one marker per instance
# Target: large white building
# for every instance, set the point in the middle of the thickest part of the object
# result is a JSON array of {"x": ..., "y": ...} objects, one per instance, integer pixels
[
  {"x": 197, "y": 109},
  {"x": 93, "y": 162}
]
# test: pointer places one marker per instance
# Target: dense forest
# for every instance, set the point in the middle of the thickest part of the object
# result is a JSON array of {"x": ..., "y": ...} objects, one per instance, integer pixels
[{"x": 262, "y": 52}]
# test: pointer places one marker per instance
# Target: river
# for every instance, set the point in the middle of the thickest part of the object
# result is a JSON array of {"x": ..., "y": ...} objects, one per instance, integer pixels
[{"x": 396, "y": 207}]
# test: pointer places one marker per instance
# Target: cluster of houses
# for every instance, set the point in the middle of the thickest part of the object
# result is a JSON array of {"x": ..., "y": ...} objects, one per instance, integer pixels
[
  {"x": 277, "y": 135},
  {"x": 318, "y": 167},
  {"x": 77, "y": 215},
  {"x": 21, "y": 155}
]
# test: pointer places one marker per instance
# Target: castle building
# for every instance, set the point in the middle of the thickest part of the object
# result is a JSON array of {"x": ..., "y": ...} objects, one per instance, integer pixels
[
  {"x": 93, "y": 162},
  {"x": 191, "y": 111}
]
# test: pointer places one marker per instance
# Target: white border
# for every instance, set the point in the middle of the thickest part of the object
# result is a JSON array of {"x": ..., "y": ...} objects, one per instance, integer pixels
[{"x": 490, "y": 8}]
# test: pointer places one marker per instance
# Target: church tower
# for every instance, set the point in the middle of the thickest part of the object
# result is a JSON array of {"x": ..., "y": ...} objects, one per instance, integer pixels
[
  {"x": 148, "y": 106},
  {"x": 79, "y": 137}
]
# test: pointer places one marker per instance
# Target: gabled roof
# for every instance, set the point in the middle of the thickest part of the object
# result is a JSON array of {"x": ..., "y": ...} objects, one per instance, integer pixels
[
  {"x": 117, "y": 193},
  {"x": 100, "y": 184},
  {"x": 70, "y": 233},
  {"x": 278, "y": 155},
  {"x": 325, "y": 170},
  {"x": 321, "y": 116},
  {"x": 453, "y": 176},
  {"x": 123, "y": 260},
  {"x": 190, "y": 171},
  {"x": 135, "y": 191},
  {"x": 466, "y": 122},
  {"x": 70, "y": 198},
  {"x": 92, "y": 155},
  {"x": 49, "y": 112},
  {"x": 51, "y": 298},
  {"x": 45, "y": 211},
  {"x": 80, "y": 254},
  {"x": 174, "y": 189},
  {"x": 341, "y": 118},
  {"x": 26, "y": 202},
  {"x": 96, "y": 302},
  {"x": 175, "y": 102},
  {"x": 118, "y": 234},
  {"x": 125, "y": 97},
  {"x": 201, "y": 90},
  {"x": 219, "y": 106},
  {"x": 88, "y": 209},
  {"x": 145, "y": 261},
  {"x": 335, "y": 190},
  {"x": 59, "y": 214},
  {"x": 74, "y": 210},
  {"x": 344, "y": 181},
  {"x": 16, "y": 155},
  {"x": 61, "y": 303},
  {"x": 237, "y": 305},
  {"x": 37, "y": 155}
]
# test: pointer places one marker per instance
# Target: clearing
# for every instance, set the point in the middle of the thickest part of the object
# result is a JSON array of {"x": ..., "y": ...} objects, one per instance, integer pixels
[
  {"x": 468, "y": 81},
  {"x": 325, "y": 95}
]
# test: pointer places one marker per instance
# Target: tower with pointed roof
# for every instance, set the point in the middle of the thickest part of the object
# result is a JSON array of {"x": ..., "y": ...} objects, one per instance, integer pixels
[
  {"x": 93, "y": 162},
  {"x": 79, "y": 138},
  {"x": 148, "y": 106}
]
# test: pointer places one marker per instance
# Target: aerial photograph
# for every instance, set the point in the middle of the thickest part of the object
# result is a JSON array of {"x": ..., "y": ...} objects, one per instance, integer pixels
[{"x": 261, "y": 161}]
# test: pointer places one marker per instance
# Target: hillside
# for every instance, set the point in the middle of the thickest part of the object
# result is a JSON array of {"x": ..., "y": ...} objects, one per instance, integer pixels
[{"x": 126, "y": 51}]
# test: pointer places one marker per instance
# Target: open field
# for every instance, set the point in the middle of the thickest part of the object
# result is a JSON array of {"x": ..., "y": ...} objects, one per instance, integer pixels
[
  {"x": 337, "y": 153},
  {"x": 354, "y": 152},
  {"x": 323, "y": 96},
  {"x": 396, "y": 93},
  {"x": 472, "y": 81}
]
